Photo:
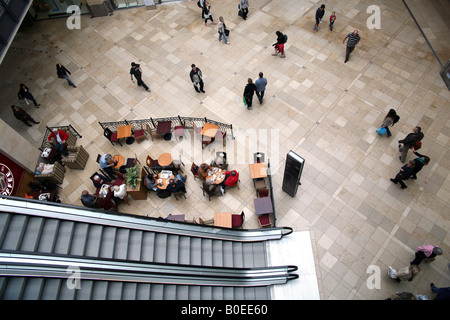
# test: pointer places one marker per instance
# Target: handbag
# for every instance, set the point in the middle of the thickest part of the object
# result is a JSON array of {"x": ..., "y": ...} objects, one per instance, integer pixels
[
  {"x": 381, "y": 131},
  {"x": 227, "y": 32},
  {"x": 245, "y": 101}
]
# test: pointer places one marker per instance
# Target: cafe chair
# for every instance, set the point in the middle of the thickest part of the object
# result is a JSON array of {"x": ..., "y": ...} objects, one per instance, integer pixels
[
  {"x": 179, "y": 193},
  {"x": 111, "y": 136},
  {"x": 178, "y": 131},
  {"x": 206, "y": 141},
  {"x": 152, "y": 133},
  {"x": 262, "y": 193},
  {"x": 258, "y": 157},
  {"x": 237, "y": 220},
  {"x": 140, "y": 134},
  {"x": 194, "y": 170},
  {"x": 259, "y": 184},
  {"x": 207, "y": 193},
  {"x": 119, "y": 180},
  {"x": 264, "y": 221},
  {"x": 220, "y": 136},
  {"x": 150, "y": 162},
  {"x": 98, "y": 158},
  {"x": 197, "y": 130}
]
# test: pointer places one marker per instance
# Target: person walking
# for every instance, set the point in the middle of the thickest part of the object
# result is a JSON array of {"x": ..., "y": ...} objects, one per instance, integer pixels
[
  {"x": 404, "y": 274},
  {"x": 353, "y": 40},
  {"x": 404, "y": 174},
  {"x": 136, "y": 71},
  {"x": 409, "y": 142},
  {"x": 441, "y": 293},
  {"x": 24, "y": 93},
  {"x": 196, "y": 78},
  {"x": 222, "y": 30},
  {"x": 23, "y": 116},
  {"x": 319, "y": 15},
  {"x": 419, "y": 163},
  {"x": 243, "y": 8},
  {"x": 332, "y": 20},
  {"x": 207, "y": 13},
  {"x": 388, "y": 121},
  {"x": 426, "y": 253},
  {"x": 260, "y": 85},
  {"x": 249, "y": 90},
  {"x": 279, "y": 45},
  {"x": 62, "y": 72}
]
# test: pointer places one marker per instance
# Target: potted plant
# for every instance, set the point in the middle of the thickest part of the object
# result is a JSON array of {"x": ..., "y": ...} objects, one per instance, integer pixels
[{"x": 133, "y": 176}]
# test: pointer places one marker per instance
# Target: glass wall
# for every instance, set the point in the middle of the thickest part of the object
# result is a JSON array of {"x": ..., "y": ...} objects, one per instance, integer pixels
[
  {"x": 120, "y": 4},
  {"x": 44, "y": 9}
]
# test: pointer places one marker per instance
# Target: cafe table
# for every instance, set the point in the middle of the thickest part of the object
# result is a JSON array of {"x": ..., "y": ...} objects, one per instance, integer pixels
[
  {"x": 258, "y": 170},
  {"x": 124, "y": 131},
  {"x": 165, "y": 160},
  {"x": 163, "y": 179},
  {"x": 120, "y": 161},
  {"x": 217, "y": 175},
  {"x": 210, "y": 130},
  {"x": 263, "y": 205},
  {"x": 223, "y": 219}
]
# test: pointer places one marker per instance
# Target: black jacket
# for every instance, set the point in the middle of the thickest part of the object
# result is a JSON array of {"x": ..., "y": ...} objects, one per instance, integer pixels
[{"x": 249, "y": 90}]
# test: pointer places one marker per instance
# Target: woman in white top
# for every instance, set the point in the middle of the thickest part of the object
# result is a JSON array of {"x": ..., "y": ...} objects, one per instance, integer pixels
[{"x": 221, "y": 29}]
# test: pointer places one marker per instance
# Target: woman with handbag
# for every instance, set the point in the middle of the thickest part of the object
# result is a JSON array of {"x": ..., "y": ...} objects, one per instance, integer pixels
[
  {"x": 404, "y": 174},
  {"x": 62, "y": 72},
  {"x": 389, "y": 121},
  {"x": 250, "y": 89},
  {"x": 223, "y": 31}
]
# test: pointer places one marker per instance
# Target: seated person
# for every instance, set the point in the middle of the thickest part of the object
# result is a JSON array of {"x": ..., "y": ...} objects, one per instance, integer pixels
[
  {"x": 44, "y": 168},
  {"x": 106, "y": 202},
  {"x": 98, "y": 180},
  {"x": 58, "y": 138},
  {"x": 203, "y": 171},
  {"x": 212, "y": 189},
  {"x": 120, "y": 191},
  {"x": 88, "y": 200},
  {"x": 107, "y": 163},
  {"x": 176, "y": 185},
  {"x": 231, "y": 178},
  {"x": 150, "y": 182}
]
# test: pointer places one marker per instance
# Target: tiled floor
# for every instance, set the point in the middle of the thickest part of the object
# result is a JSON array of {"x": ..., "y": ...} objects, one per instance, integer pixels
[{"x": 319, "y": 107}]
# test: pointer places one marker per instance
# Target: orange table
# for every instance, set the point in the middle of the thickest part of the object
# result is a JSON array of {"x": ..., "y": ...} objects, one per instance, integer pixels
[
  {"x": 163, "y": 182},
  {"x": 223, "y": 219},
  {"x": 217, "y": 175},
  {"x": 165, "y": 159},
  {"x": 210, "y": 130},
  {"x": 124, "y": 131},
  {"x": 258, "y": 170},
  {"x": 120, "y": 161}
]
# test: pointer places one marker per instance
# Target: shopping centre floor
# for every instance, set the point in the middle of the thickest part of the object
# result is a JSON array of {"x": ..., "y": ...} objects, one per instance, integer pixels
[{"x": 322, "y": 109}]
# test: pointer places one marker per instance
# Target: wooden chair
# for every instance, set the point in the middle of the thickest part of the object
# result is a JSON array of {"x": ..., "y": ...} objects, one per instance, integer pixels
[
  {"x": 220, "y": 137},
  {"x": 178, "y": 132},
  {"x": 98, "y": 158},
  {"x": 111, "y": 136},
  {"x": 140, "y": 134},
  {"x": 258, "y": 157},
  {"x": 259, "y": 184},
  {"x": 152, "y": 133},
  {"x": 207, "y": 193},
  {"x": 179, "y": 193},
  {"x": 206, "y": 141},
  {"x": 237, "y": 220},
  {"x": 264, "y": 221},
  {"x": 150, "y": 162},
  {"x": 262, "y": 193},
  {"x": 194, "y": 170}
]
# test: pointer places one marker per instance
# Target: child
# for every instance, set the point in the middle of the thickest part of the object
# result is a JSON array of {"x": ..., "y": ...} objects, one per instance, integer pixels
[{"x": 332, "y": 20}]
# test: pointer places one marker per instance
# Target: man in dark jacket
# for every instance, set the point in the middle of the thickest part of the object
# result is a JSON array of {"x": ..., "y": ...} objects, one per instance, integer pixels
[
  {"x": 419, "y": 163},
  {"x": 319, "y": 15},
  {"x": 409, "y": 142},
  {"x": 136, "y": 71},
  {"x": 176, "y": 185},
  {"x": 22, "y": 115},
  {"x": 404, "y": 174},
  {"x": 196, "y": 78}
]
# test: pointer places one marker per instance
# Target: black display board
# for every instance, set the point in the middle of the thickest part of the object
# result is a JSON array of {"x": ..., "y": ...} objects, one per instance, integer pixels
[{"x": 292, "y": 173}]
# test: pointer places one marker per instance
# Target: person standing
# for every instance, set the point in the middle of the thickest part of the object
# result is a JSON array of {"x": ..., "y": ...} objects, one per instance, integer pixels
[
  {"x": 353, "y": 40},
  {"x": 388, "y": 121},
  {"x": 260, "y": 85},
  {"x": 136, "y": 71},
  {"x": 62, "y": 72},
  {"x": 279, "y": 45},
  {"x": 419, "y": 163},
  {"x": 404, "y": 174},
  {"x": 196, "y": 78},
  {"x": 249, "y": 90},
  {"x": 221, "y": 28},
  {"x": 426, "y": 253},
  {"x": 332, "y": 20},
  {"x": 319, "y": 15},
  {"x": 243, "y": 6},
  {"x": 24, "y": 93},
  {"x": 22, "y": 115},
  {"x": 409, "y": 141}
]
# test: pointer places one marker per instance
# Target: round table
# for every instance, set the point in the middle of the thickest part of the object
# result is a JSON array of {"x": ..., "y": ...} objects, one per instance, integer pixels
[
  {"x": 120, "y": 161},
  {"x": 163, "y": 181},
  {"x": 165, "y": 159},
  {"x": 218, "y": 175}
]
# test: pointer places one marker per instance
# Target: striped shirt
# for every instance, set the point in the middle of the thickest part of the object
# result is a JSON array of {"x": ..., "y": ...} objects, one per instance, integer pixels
[{"x": 352, "y": 40}]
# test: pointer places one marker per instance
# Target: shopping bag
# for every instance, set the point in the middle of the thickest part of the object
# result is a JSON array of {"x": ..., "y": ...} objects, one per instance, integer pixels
[
  {"x": 245, "y": 101},
  {"x": 381, "y": 131}
]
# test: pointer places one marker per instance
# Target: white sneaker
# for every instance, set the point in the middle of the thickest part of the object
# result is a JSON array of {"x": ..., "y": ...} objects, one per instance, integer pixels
[{"x": 228, "y": 42}]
